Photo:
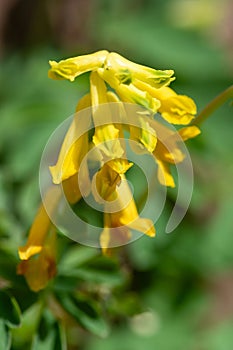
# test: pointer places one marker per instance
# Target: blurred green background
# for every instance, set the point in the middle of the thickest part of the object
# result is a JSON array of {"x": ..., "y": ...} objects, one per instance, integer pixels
[{"x": 171, "y": 292}]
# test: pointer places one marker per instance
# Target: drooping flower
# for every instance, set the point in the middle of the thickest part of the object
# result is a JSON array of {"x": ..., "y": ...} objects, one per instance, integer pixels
[
  {"x": 113, "y": 79},
  {"x": 168, "y": 151},
  {"x": 127, "y": 71},
  {"x": 121, "y": 217},
  {"x": 108, "y": 139},
  {"x": 174, "y": 108},
  {"x": 39, "y": 268},
  {"x": 38, "y": 255},
  {"x": 73, "y": 149},
  {"x": 40, "y": 227},
  {"x": 75, "y": 66},
  {"x": 129, "y": 92},
  {"x": 132, "y": 83}
]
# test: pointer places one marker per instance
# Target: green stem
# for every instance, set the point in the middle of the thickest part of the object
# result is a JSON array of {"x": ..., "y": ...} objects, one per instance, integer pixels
[{"x": 213, "y": 105}]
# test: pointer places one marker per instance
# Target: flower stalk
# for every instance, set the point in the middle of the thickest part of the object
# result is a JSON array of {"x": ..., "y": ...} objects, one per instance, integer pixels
[{"x": 213, "y": 105}]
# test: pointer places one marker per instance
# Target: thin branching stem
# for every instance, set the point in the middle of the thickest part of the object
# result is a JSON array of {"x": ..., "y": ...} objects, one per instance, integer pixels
[{"x": 213, "y": 105}]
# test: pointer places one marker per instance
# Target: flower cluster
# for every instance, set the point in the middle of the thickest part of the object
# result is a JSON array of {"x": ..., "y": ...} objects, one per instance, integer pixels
[{"x": 113, "y": 79}]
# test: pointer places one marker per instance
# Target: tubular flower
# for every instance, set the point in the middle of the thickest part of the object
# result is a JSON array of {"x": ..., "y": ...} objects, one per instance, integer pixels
[
  {"x": 40, "y": 227},
  {"x": 168, "y": 151},
  {"x": 38, "y": 254},
  {"x": 73, "y": 149},
  {"x": 129, "y": 92},
  {"x": 75, "y": 66},
  {"x": 122, "y": 217},
  {"x": 126, "y": 71},
  {"x": 95, "y": 162},
  {"x": 174, "y": 108},
  {"x": 40, "y": 268}
]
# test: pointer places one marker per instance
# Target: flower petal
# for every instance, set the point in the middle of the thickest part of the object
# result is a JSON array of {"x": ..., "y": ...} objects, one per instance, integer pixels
[
  {"x": 144, "y": 135},
  {"x": 40, "y": 226},
  {"x": 104, "y": 184},
  {"x": 164, "y": 174},
  {"x": 73, "y": 148},
  {"x": 75, "y": 66},
  {"x": 157, "y": 78},
  {"x": 176, "y": 109},
  {"x": 189, "y": 132},
  {"x": 40, "y": 269}
]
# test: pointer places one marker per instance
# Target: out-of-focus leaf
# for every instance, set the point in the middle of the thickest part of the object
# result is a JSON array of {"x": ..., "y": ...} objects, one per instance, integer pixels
[
  {"x": 110, "y": 278},
  {"x": 76, "y": 256},
  {"x": 87, "y": 265},
  {"x": 125, "y": 305},
  {"x": 85, "y": 312},
  {"x": 50, "y": 335},
  {"x": 23, "y": 335},
  {"x": 7, "y": 264},
  {"x": 9, "y": 310},
  {"x": 5, "y": 336}
]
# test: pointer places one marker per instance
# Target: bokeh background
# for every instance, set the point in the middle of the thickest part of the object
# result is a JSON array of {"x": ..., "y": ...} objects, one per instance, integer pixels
[{"x": 171, "y": 292}]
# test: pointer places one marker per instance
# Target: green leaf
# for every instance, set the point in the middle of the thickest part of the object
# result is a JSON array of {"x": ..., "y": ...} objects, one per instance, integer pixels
[
  {"x": 49, "y": 337},
  {"x": 110, "y": 278},
  {"x": 76, "y": 256},
  {"x": 23, "y": 335},
  {"x": 9, "y": 310},
  {"x": 85, "y": 312},
  {"x": 5, "y": 336}
]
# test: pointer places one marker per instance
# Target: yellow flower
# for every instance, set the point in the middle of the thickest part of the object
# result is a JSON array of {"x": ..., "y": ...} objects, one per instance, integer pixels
[
  {"x": 131, "y": 83},
  {"x": 75, "y": 66},
  {"x": 107, "y": 135},
  {"x": 123, "y": 218},
  {"x": 40, "y": 226},
  {"x": 144, "y": 136},
  {"x": 39, "y": 269},
  {"x": 129, "y": 93},
  {"x": 176, "y": 109},
  {"x": 104, "y": 182},
  {"x": 71, "y": 187},
  {"x": 168, "y": 151},
  {"x": 38, "y": 254},
  {"x": 73, "y": 150},
  {"x": 107, "y": 138},
  {"x": 126, "y": 71}
]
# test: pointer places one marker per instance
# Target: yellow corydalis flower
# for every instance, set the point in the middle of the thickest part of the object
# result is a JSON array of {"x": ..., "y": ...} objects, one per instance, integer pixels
[
  {"x": 128, "y": 92},
  {"x": 38, "y": 255},
  {"x": 107, "y": 138},
  {"x": 144, "y": 136},
  {"x": 101, "y": 171},
  {"x": 123, "y": 218},
  {"x": 106, "y": 135},
  {"x": 73, "y": 67},
  {"x": 126, "y": 71},
  {"x": 73, "y": 148},
  {"x": 106, "y": 180},
  {"x": 168, "y": 151},
  {"x": 40, "y": 226},
  {"x": 40, "y": 268},
  {"x": 175, "y": 109}
]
